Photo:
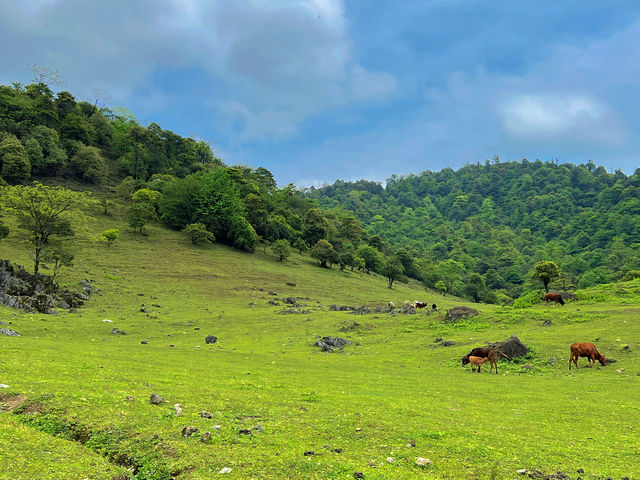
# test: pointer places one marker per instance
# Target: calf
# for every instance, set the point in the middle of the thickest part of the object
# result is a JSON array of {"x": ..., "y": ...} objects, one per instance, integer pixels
[
  {"x": 477, "y": 362},
  {"x": 588, "y": 350},
  {"x": 490, "y": 353}
]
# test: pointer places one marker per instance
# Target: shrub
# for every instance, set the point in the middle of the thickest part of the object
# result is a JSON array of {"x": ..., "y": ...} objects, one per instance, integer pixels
[
  {"x": 198, "y": 234},
  {"x": 111, "y": 235}
]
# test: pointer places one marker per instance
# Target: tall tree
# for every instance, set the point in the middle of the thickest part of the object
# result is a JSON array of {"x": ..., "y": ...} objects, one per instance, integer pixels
[{"x": 545, "y": 271}]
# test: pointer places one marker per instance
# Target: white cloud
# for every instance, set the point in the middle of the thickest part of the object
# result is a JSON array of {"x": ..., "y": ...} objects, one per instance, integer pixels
[{"x": 550, "y": 115}]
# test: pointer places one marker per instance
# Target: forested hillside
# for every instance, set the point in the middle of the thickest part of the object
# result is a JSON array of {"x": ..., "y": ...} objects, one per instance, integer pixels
[{"x": 498, "y": 219}]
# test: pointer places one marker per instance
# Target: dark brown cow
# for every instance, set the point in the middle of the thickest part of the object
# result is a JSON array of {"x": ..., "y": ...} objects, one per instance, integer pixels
[
  {"x": 588, "y": 350},
  {"x": 417, "y": 304},
  {"x": 485, "y": 352},
  {"x": 554, "y": 297}
]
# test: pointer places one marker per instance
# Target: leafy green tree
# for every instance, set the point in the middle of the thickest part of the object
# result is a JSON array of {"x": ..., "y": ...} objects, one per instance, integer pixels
[
  {"x": 243, "y": 235},
  {"x": 198, "y": 234},
  {"x": 44, "y": 213},
  {"x": 111, "y": 235},
  {"x": 143, "y": 209},
  {"x": 441, "y": 286},
  {"x": 14, "y": 159},
  {"x": 593, "y": 277},
  {"x": 300, "y": 245},
  {"x": 178, "y": 203},
  {"x": 545, "y": 272},
  {"x": 315, "y": 227},
  {"x": 60, "y": 255},
  {"x": 88, "y": 164},
  {"x": 4, "y": 230},
  {"x": 53, "y": 155},
  {"x": 126, "y": 188},
  {"x": 373, "y": 259},
  {"x": 475, "y": 287},
  {"x": 392, "y": 270},
  {"x": 324, "y": 252},
  {"x": 281, "y": 248}
]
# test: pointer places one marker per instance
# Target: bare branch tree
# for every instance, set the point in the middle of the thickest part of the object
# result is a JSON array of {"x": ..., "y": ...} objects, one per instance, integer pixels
[
  {"x": 44, "y": 74},
  {"x": 100, "y": 97}
]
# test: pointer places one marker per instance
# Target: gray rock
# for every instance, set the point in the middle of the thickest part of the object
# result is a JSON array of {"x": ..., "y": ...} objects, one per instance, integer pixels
[
  {"x": 245, "y": 431},
  {"x": 358, "y": 475},
  {"x": 547, "y": 323},
  {"x": 271, "y": 292},
  {"x": 457, "y": 313},
  {"x": 64, "y": 305},
  {"x": 211, "y": 339},
  {"x": 206, "y": 436},
  {"x": 289, "y": 301},
  {"x": 291, "y": 284},
  {"x": 9, "y": 332},
  {"x": 144, "y": 342},
  {"x": 361, "y": 311},
  {"x": 439, "y": 339},
  {"x": 611, "y": 360},
  {"x": 156, "y": 399},
  {"x": 512, "y": 347},
  {"x": 205, "y": 414},
  {"x": 258, "y": 428},
  {"x": 329, "y": 344},
  {"x": 448, "y": 343},
  {"x": 188, "y": 431}
]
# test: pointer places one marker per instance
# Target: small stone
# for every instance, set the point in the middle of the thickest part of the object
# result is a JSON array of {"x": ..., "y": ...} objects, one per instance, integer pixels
[
  {"x": 372, "y": 464},
  {"x": 245, "y": 431},
  {"x": 358, "y": 429},
  {"x": 624, "y": 478},
  {"x": 225, "y": 470},
  {"x": 412, "y": 443},
  {"x": 448, "y": 343},
  {"x": 258, "y": 427},
  {"x": 178, "y": 408},
  {"x": 309, "y": 453},
  {"x": 9, "y": 332},
  {"x": 547, "y": 323},
  {"x": 391, "y": 460},
  {"x": 206, "y": 436},
  {"x": 115, "y": 331},
  {"x": 211, "y": 339},
  {"x": 107, "y": 320},
  {"x": 337, "y": 450},
  {"x": 422, "y": 462},
  {"x": 620, "y": 370},
  {"x": 439, "y": 339},
  {"x": 172, "y": 345},
  {"x": 156, "y": 399},
  {"x": 580, "y": 470},
  {"x": 2, "y": 385},
  {"x": 144, "y": 342},
  {"x": 358, "y": 475},
  {"x": 129, "y": 398},
  {"x": 205, "y": 414},
  {"x": 522, "y": 471},
  {"x": 188, "y": 431},
  {"x": 216, "y": 427}
]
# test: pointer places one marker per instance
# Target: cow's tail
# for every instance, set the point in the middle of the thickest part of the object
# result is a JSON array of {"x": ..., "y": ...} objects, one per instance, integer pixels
[{"x": 503, "y": 354}]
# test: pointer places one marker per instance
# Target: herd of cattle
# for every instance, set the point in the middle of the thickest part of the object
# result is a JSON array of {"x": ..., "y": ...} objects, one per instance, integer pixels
[{"x": 476, "y": 357}]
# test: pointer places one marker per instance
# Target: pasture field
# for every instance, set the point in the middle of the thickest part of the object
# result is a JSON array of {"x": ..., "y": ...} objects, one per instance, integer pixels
[{"x": 84, "y": 410}]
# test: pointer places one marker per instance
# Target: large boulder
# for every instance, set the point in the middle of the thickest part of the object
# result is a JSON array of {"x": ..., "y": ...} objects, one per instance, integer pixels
[
  {"x": 456, "y": 313},
  {"x": 512, "y": 347},
  {"x": 329, "y": 344}
]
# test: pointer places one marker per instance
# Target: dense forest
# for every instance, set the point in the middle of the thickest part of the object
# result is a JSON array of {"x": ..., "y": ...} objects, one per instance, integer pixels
[
  {"x": 476, "y": 232},
  {"x": 497, "y": 220}
]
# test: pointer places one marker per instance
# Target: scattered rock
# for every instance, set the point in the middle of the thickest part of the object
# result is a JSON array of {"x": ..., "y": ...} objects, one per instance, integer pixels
[
  {"x": 341, "y": 308},
  {"x": 439, "y": 339},
  {"x": 547, "y": 323},
  {"x": 361, "y": 311},
  {"x": 117, "y": 331},
  {"x": 391, "y": 460},
  {"x": 348, "y": 328},
  {"x": 372, "y": 464},
  {"x": 620, "y": 370},
  {"x": 522, "y": 471},
  {"x": 411, "y": 444},
  {"x": 358, "y": 475},
  {"x": 144, "y": 342},
  {"x": 156, "y": 399},
  {"x": 358, "y": 429},
  {"x": 9, "y": 332},
  {"x": 259, "y": 427},
  {"x": 64, "y": 305},
  {"x": 611, "y": 360},
  {"x": 129, "y": 398},
  {"x": 274, "y": 303},
  {"x": 512, "y": 347},
  {"x": 448, "y": 343},
  {"x": 3, "y": 385},
  {"x": 329, "y": 344},
  {"x": 527, "y": 367},
  {"x": 407, "y": 310},
  {"x": 580, "y": 470},
  {"x": 205, "y": 414},
  {"x": 211, "y": 339},
  {"x": 626, "y": 348},
  {"x": 552, "y": 361},
  {"x": 291, "y": 284},
  {"x": 309, "y": 453},
  {"x": 271, "y": 292},
  {"x": 178, "y": 408},
  {"x": 216, "y": 427},
  {"x": 455, "y": 314},
  {"x": 225, "y": 470},
  {"x": 422, "y": 462},
  {"x": 206, "y": 436},
  {"x": 252, "y": 304},
  {"x": 106, "y": 320},
  {"x": 289, "y": 301},
  {"x": 245, "y": 431},
  {"x": 337, "y": 450},
  {"x": 188, "y": 431}
]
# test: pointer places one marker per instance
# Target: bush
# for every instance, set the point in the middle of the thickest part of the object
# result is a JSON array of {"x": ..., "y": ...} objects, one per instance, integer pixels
[
  {"x": 88, "y": 165},
  {"x": 198, "y": 234},
  {"x": 528, "y": 299},
  {"x": 282, "y": 249},
  {"x": 111, "y": 235}
]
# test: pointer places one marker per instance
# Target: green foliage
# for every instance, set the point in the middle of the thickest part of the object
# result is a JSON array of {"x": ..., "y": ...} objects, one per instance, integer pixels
[
  {"x": 545, "y": 271},
  {"x": 392, "y": 270},
  {"x": 529, "y": 299},
  {"x": 439, "y": 285},
  {"x": 44, "y": 213},
  {"x": 111, "y": 235},
  {"x": 14, "y": 160},
  {"x": 143, "y": 209},
  {"x": 373, "y": 259},
  {"x": 60, "y": 255},
  {"x": 324, "y": 253},
  {"x": 300, "y": 245},
  {"x": 198, "y": 234},
  {"x": 88, "y": 165},
  {"x": 282, "y": 249}
]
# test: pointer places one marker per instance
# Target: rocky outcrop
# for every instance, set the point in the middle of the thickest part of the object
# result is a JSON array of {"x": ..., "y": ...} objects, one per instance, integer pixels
[
  {"x": 38, "y": 293},
  {"x": 457, "y": 313}
]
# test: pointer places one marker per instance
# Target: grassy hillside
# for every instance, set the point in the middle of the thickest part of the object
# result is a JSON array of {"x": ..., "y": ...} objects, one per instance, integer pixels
[{"x": 85, "y": 410}]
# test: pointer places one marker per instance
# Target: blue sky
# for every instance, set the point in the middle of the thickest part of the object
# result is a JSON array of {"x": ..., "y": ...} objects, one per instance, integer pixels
[{"x": 319, "y": 90}]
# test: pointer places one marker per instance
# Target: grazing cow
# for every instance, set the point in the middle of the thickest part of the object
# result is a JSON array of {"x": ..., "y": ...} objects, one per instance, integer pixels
[
  {"x": 490, "y": 353},
  {"x": 417, "y": 304},
  {"x": 391, "y": 304},
  {"x": 588, "y": 350},
  {"x": 434, "y": 307},
  {"x": 477, "y": 362},
  {"x": 554, "y": 297}
]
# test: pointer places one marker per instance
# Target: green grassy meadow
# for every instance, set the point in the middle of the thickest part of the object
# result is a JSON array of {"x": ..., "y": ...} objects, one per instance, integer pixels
[{"x": 85, "y": 410}]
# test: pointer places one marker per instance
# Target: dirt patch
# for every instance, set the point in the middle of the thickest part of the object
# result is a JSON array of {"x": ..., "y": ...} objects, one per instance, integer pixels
[
  {"x": 9, "y": 402},
  {"x": 32, "y": 408}
]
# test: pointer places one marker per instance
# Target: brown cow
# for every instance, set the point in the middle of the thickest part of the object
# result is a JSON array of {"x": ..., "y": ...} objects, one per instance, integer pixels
[
  {"x": 554, "y": 297},
  {"x": 588, "y": 350},
  {"x": 477, "y": 362},
  {"x": 490, "y": 353},
  {"x": 417, "y": 304}
]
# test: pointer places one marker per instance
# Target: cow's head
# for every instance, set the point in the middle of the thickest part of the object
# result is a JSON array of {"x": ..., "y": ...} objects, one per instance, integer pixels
[
  {"x": 601, "y": 359},
  {"x": 465, "y": 360}
]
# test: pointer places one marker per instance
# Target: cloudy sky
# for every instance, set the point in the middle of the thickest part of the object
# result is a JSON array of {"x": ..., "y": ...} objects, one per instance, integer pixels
[{"x": 317, "y": 90}]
